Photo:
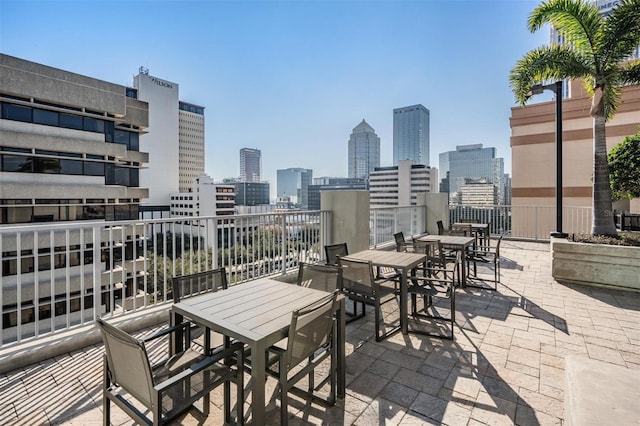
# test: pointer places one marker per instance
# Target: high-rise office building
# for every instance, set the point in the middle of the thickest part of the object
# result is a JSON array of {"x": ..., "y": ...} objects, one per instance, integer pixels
[
  {"x": 250, "y": 165},
  {"x": 399, "y": 185},
  {"x": 474, "y": 162},
  {"x": 411, "y": 134},
  {"x": 332, "y": 184},
  {"x": 364, "y": 151},
  {"x": 293, "y": 183},
  {"x": 175, "y": 141},
  {"x": 252, "y": 193},
  {"x": 190, "y": 144}
]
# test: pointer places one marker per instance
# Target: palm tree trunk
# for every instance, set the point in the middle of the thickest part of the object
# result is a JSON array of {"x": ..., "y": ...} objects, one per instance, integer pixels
[{"x": 602, "y": 206}]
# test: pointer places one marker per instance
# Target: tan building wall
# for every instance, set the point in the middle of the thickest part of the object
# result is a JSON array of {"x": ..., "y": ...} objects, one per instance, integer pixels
[{"x": 533, "y": 156}]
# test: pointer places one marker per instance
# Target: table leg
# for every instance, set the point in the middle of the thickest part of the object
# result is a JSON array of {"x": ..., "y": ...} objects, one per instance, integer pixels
[
  {"x": 258, "y": 377},
  {"x": 176, "y": 339},
  {"x": 341, "y": 350},
  {"x": 403, "y": 302},
  {"x": 463, "y": 260}
]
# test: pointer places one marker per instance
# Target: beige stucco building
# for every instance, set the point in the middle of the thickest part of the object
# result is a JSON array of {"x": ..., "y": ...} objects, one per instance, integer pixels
[{"x": 533, "y": 155}]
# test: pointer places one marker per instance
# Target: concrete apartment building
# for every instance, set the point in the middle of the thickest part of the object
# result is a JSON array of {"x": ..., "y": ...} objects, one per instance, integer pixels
[
  {"x": 400, "y": 185},
  {"x": 175, "y": 142},
  {"x": 69, "y": 151},
  {"x": 206, "y": 198},
  {"x": 533, "y": 150}
]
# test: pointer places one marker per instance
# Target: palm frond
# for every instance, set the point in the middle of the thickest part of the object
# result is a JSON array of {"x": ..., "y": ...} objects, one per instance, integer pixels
[
  {"x": 547, "y": 63},
  {"x": 622, "y": 31},
  {"x": 612, "y": 98},
  {"x": 578, "y": 20},
  {"x": 630, "y": 72}
]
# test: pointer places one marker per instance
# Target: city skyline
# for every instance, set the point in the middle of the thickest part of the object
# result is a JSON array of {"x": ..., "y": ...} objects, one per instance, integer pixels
[{"x": 291, "y": 78}]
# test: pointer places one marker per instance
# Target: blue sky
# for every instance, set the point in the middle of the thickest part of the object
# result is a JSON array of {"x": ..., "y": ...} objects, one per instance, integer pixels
[{"x": 293, "y": 78}]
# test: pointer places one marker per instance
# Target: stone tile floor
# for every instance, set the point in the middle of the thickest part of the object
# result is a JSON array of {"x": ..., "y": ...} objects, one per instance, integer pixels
[{"x": 506, "y": 365}]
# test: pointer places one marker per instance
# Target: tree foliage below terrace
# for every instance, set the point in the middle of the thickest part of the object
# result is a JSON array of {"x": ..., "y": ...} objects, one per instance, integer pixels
[{"x": 624, "y": 168}]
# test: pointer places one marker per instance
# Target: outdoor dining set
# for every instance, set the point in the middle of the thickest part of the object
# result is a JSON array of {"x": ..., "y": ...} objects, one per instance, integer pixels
[{"x": 270, "y": 328}]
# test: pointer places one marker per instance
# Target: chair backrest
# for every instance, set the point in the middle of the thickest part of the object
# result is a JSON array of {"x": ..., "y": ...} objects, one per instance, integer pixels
[
  {"x": 498, "y": 247},
  {"x": 468, "y": 220},
  {"x": 357, "y": 276},
  {"x": 400, "y": 241},
  {"x": 320, "y": 277},
  {"x": 311, "y": 328},
  {"x": 433, "y": 250},
  {"x": 128, "y": 362},
  {"x": 198, "y": 283},
  {"x": 332, "y": 251},
  {"x": 440, "y": 227},
  {"x": 463, "y": 230}
]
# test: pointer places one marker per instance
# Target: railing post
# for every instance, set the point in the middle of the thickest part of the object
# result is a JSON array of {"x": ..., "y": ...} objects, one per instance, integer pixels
[
  {"x": 97, "y": 276},
  {"x": 283, "y": 243}
]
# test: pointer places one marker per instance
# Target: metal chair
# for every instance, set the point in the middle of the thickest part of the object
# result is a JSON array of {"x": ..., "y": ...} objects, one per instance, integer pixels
[
  {"x": 312, "y": 338},
  {"x": 488, "y": 255},
  {"x": 401, "y": 243},
  {"x": 170, "y": 387},
  {"x": 185, "y": 286},
  {"x": 359, "y": 284},
  {"x": 320, "y": 277},
  {"x": 437, "y": 283},
  {"x": 332, "y": 252},
  {"x": 441, "y": 229}
]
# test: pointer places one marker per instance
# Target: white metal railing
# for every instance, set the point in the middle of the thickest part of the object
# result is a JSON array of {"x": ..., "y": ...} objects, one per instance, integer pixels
[
  {"x": 386, "y": 221},
  {"x": 531, "y": 222},
  {"x": 56, "y": 276}
]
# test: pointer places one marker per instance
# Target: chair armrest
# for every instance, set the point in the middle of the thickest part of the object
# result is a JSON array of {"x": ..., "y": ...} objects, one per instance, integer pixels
[
  {"x": 167, "y": 330},
  {"x": 202, "y": 365}
]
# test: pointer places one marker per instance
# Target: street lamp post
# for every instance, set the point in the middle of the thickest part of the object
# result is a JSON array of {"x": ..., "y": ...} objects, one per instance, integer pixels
[{"x": 557, "y": 89}]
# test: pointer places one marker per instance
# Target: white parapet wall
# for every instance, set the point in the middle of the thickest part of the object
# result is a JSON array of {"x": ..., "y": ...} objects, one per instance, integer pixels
[{"x": 597, "y": 264}]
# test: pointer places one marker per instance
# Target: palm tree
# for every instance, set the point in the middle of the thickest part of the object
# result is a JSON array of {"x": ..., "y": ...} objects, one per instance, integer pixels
[{"x": 596, "y": 51}]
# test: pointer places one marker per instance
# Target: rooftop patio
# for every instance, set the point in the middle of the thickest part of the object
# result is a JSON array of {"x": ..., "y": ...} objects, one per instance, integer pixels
[{"x": 506, "y": 365}]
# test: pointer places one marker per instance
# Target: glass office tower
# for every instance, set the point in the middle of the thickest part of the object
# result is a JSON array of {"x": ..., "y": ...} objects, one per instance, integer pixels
[
  {"x": 364, "y": 151},
  {"x": 411, "y": 134},
  {"x": 250, "y": 165}
]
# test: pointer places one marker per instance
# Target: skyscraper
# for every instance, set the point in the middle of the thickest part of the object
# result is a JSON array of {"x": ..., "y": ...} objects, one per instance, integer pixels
[
  {"x": 250, "y": 165},
  {"x": 411, "y": 134},
  {"x": 175, "y": 141},
  {"x": 294, "y": 184},
  {"x": 400, "y": 185},
  {"x": 190, "y": 144},
  {"x": 364, "y": 151},
  {"x": 476, "y": 162}
]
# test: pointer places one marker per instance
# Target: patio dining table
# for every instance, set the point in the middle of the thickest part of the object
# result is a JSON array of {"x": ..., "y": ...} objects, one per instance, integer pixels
[
  {"x": 401, "y": 261},
  {"x": 258, "y": 313},
  {"x": 479, "y": 229},
  {"x": 454, "y": 242}
]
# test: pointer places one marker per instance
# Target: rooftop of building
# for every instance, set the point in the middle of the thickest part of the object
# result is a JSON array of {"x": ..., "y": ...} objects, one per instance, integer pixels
[{"x": 506, "y": 365}]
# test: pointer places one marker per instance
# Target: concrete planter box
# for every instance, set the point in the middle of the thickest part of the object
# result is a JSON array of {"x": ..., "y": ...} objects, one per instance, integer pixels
[{"x": 596, "y": 264}]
